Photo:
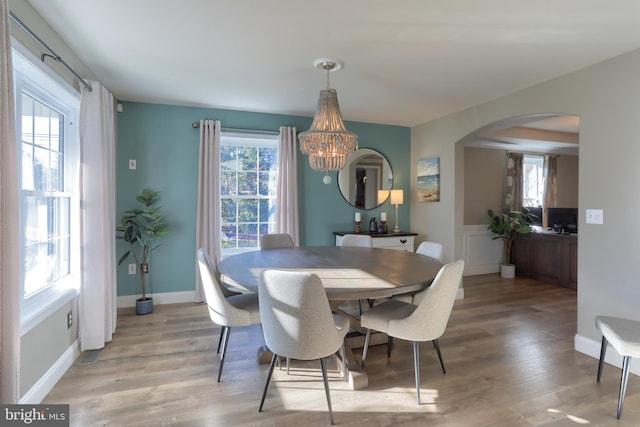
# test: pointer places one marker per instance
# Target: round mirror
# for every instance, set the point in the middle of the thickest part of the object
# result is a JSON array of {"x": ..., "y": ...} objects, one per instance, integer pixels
[{"x": 366, "y": 179}]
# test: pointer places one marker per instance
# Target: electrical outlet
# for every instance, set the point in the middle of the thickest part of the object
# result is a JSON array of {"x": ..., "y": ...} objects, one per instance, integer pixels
[
  {"x": 132, "y": 269},
  {"x": 69, "y": 319},
  {"x": 132, "y": 164}
]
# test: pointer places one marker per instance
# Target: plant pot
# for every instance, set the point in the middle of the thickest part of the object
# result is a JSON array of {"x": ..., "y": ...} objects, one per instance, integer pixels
[
  {"x": 144, "y": 306},
  {"x": 508, "y": 271}
]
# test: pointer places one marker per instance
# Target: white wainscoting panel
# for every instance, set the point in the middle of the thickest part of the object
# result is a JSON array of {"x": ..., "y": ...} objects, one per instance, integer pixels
[{"x": 481, "y": 254}]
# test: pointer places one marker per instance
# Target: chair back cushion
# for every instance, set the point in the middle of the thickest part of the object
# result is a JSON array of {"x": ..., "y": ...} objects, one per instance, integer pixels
[
  {"x": 296, "y": 317},
  {"x": 220, "y": 310},
  {"x": 429, "y": 320},
  {"x": 430, "y": 249},
  {"x": 360, "y": 240},
  {"x": 276, "y": 240}
]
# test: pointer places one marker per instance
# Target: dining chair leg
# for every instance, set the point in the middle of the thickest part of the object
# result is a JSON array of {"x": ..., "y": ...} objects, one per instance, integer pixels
[
  {"x": 266, "y": 386},
  {"x": 416, "y": 366},
  {"x": 225, "y": 341},
  {"x": 360, "y": 307},
  {"x": 436, "y": 344},
  {"x": 220, "y": 340},
  {"x": 623, "y": 383},
  {"x": 343, "y": 358},
  {"x": 323, "y": 365},
  {"x": 365, "y": 348},
  {"x": 389, "y": 344},
  {"x": 603, "y": 351}
]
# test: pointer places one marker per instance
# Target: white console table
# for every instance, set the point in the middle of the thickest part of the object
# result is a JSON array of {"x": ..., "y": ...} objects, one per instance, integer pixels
[{"x": 401, "y": 241}]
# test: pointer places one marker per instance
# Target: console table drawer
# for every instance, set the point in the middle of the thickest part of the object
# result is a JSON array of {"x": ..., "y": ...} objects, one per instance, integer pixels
[{"x": 402, "y": 242}]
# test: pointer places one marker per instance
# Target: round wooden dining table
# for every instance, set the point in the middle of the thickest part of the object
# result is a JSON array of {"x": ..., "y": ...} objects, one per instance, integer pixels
[{"x": 348, "y": 273}]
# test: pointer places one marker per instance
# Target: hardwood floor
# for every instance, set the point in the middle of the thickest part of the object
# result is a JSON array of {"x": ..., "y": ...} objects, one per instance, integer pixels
[{"x": 508, "y": 351}]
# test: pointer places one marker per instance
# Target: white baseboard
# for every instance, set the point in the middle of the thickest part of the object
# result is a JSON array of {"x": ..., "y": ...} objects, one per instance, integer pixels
[
  {"x": 45, "y": 384},
  {"x": 159, "y": 298},
  {"x": 592, "y": 348}
]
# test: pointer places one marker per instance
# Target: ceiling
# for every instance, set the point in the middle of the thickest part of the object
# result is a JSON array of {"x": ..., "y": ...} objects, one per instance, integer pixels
[{"x": 405, "y": 62}]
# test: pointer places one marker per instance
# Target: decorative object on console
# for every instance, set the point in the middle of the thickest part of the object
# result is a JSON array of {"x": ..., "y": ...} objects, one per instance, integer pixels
[
  {"x": 327, "y": 142},
  {"x": 358, "y": 220},
  {"x": 373, "y": 225},
  {"x": 397, "y": 198},
  {"x": 383, "y": 223},
  {"x": 429, "y": 179}
]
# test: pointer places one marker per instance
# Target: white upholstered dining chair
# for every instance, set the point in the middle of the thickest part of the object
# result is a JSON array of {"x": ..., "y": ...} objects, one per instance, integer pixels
[
  {"x": 276, "y": 240},
  {"x": 359, "y": 240},
  {"x": 624, "y": 336},
  {"x": 230, "y": 311},
  {"x": 297, "y": 321},
  {"x": 424, "y": 322},
  {"x": 432, "y": 250}
]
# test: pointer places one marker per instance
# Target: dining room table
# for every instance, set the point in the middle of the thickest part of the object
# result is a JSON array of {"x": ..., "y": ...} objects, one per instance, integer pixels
[{"x": 349, "y": 274}]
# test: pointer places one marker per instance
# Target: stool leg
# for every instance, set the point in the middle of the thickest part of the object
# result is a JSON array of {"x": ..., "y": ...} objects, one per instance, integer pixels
[
  {"x": 623, "y": 383},
  {"x": 603, "y": 351},
  {"x": 365, "y": 348}
]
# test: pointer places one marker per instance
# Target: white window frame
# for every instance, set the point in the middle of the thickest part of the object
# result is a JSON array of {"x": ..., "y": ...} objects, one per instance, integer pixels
[
  {"x": 39, "y": 81},
  {"x": 247, "y": 140},
  {"x": 540, "y": 179}
]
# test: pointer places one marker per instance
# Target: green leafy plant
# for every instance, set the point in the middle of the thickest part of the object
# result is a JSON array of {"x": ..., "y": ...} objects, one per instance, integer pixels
[
  {"x": 509, "y": 225},
  {"x": 140, "y": 228}
]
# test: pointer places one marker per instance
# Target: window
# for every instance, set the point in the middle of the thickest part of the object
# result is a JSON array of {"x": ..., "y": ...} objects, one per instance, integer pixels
[
  {"x": 248, "y": 190},
  {"x": 532, "y": 181},
  {"x": 48, "y": 151}
]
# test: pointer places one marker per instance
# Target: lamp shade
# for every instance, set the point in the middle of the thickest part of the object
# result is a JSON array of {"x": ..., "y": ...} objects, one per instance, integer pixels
[
  {"x": 397, "y": 197},
  {"x": 382, "y": 196}
]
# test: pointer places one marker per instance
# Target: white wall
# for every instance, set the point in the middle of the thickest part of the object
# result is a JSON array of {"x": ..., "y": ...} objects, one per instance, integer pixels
[{"x": 606, "y": 96}]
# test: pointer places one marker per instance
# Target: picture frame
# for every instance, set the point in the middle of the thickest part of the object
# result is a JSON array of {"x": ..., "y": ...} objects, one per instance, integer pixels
[{"x": 428, "y": 176}]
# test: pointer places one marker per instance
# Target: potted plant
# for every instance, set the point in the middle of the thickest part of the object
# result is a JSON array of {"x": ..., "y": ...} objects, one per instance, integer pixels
[
  {"x": 140, "y": 228},
  {"x": 508, "y": 225}
]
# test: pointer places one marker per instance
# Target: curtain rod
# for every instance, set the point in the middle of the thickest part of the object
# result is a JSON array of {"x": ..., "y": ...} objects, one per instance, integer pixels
[
  {"x": 196, "y": 125},
  {"x": 52, "y": 54}
]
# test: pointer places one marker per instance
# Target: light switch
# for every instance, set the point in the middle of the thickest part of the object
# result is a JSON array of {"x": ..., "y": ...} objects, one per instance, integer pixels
[
  {"x": 132, "y": 164},
  {"x": 595, "y": 216}
]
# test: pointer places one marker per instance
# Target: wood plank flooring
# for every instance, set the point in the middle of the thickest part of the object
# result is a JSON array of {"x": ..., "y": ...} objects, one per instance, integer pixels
[{"x": 508, "y": 351}]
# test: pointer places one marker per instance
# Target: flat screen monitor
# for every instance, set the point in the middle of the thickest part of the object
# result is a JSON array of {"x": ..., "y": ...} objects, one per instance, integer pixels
[{"x": 564, "y": 218}]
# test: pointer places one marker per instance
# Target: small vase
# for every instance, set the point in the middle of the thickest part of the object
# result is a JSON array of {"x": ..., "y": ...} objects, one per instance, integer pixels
[{"x": 508, "y": 271}]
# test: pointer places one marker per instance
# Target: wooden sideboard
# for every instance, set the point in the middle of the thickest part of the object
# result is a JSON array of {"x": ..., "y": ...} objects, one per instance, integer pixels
[
  {"x": 548, "y": 257},
  {"x": 401, "y": 241}
]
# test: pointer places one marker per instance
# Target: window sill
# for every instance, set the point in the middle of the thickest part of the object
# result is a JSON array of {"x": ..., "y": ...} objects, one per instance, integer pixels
[{"x": 39, "y": 307}]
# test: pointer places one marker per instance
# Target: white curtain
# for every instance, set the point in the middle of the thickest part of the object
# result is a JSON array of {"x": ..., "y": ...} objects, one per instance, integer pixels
[
  {"x": 98, "y": 300},
  {"x": 208, "y": 213},
  {"x": 550, "y": 186},
  {"x": 287, "y": 203},
  {"x": 9, "y": 236}
]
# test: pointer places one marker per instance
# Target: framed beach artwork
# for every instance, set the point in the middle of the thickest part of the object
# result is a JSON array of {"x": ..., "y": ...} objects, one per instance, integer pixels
[{"x": 429, "y": 179}]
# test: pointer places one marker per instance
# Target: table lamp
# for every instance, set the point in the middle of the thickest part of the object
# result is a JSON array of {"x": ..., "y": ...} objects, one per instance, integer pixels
[{"x": 397, "y": 198}]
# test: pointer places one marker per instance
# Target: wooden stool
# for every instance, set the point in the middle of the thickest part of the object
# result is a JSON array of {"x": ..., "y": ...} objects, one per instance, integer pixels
[{"x": 624, "y": 337}]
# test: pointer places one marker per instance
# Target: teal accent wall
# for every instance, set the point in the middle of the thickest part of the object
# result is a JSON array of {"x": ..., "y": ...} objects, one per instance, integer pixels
[{"x": 165, "y": 146}]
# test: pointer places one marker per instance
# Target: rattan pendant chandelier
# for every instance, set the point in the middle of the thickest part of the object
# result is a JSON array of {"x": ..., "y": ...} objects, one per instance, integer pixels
[{"x": 327, "y": 142}]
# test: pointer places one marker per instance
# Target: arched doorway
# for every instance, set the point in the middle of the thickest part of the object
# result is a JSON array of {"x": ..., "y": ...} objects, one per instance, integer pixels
[{"x": 483, "y": 154}]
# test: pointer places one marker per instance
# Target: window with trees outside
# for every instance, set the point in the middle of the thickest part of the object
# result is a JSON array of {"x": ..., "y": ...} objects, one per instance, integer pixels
[
  {"x": 48, "y": 150},
  {"x": 532, "y": 181},
  {"x": 248, "y": 190}
]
